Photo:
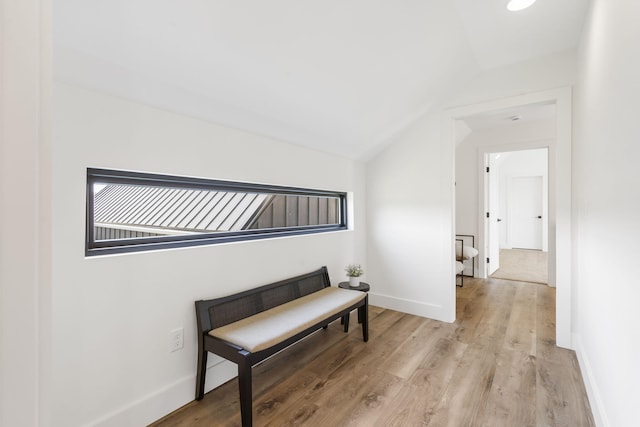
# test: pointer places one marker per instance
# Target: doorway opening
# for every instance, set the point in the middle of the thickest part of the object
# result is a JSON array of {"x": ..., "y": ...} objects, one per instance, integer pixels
[
  {"x": 559, "y": 209},
  {"x": 517, "y": 201}
]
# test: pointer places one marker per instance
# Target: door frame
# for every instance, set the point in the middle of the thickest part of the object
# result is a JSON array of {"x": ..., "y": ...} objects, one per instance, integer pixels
[
  {"x": 483, "y": 155},
  {"x": 559, "y": 206},
  {"x": 490, "y": 186}
]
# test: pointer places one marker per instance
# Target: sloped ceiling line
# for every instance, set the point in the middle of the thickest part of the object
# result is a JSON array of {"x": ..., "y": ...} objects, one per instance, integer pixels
[{"x": 335, "y": 76}]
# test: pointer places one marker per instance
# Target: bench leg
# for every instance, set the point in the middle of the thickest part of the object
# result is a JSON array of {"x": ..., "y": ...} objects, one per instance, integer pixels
[
  {"x": 202, "y": 371},
  {"x": 345, "y": 318},
  {"x": 363, "y": 314},
  {"x": 246, "y": 396}
]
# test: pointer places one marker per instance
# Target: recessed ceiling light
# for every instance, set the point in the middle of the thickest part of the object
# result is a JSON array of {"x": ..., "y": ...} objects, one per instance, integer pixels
[{"x": 516, "y": 5}]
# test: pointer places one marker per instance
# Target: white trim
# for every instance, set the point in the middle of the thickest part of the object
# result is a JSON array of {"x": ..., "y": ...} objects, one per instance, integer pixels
[
  {"x": 590, "y": 384},
  {"x": 417, "y": 308},
  {"x": 560, "y": 205},
  {"x": 154, "y": 406}
]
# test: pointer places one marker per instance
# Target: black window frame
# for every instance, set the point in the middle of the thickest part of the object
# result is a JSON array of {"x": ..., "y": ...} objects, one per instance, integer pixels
[{"x": 119, "y": 246}]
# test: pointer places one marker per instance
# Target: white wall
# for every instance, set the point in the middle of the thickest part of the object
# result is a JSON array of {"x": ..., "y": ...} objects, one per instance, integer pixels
[
  {"x": 113, "y": 314},
  {"x": 25, "y": 255},
  {"x": 606, "y": 180},
  {"x": 553, "y": 71},
  {"x": 410, "y": 203},
  {"x": 409, "y": 224}
]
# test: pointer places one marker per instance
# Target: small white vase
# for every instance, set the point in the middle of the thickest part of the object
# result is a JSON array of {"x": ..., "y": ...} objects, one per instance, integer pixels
[{"x": 354, "y": 281}]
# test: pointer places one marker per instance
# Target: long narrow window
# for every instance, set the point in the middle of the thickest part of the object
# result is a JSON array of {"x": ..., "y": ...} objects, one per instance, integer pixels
[{"x": 130, "y": 211}]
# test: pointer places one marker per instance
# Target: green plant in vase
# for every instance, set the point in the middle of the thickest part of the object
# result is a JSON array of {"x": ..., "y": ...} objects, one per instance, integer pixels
[{"x": 354, "y": 271}]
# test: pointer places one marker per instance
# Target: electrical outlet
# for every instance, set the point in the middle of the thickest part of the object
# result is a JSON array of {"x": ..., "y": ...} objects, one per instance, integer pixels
[{"x": 176, "y": 339}]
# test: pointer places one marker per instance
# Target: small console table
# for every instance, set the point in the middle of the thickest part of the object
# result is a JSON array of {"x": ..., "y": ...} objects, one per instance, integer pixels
[{"x": 364, "y": 287}]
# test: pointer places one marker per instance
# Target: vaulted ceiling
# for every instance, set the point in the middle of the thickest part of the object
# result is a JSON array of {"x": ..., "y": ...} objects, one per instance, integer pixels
[{"x": 339, "y": 76}]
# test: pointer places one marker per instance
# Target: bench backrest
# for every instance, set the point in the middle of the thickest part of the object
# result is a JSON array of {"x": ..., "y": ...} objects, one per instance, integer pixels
[{"x": 218, "y": 312}]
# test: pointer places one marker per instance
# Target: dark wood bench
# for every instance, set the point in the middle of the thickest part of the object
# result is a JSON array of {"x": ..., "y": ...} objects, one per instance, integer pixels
[{"x": 250, "y": 326}]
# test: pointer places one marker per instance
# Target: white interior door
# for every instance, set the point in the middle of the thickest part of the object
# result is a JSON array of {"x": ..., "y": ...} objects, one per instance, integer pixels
[
  {"x": 525, "y": 200},
  {"x": 493, "y": 236}
]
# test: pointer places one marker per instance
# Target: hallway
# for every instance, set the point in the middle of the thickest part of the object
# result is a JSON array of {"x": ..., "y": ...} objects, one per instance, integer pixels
[
  {"x": 523, "y": 265},
  {"x": 497, "y": 365}
]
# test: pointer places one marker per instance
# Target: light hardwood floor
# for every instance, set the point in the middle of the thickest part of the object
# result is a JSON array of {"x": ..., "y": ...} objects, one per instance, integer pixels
[{"x": 497, "y": 365}]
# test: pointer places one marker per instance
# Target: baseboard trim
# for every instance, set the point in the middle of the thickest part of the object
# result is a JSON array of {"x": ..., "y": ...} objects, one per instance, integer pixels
[
  {"x": 417, "y": 308},
  {"x": 173, "y": 396},
  {"x": 166, "y": 400},
  {"x": 595, "y": 399}
]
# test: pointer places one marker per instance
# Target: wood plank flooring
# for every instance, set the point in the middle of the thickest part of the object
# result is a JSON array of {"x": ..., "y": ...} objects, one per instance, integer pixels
[{"x": 497, "y": 365}]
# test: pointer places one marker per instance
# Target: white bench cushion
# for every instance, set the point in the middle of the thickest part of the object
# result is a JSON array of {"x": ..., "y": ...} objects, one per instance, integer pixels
[
  {"x": 272, "y": 326},
  {"x": 465, "y": 253}
]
